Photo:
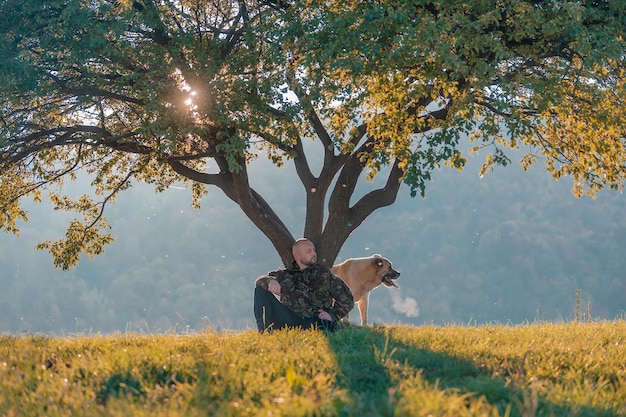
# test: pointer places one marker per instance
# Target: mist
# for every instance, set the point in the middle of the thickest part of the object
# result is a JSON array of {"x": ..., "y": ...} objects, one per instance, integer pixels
[{"x": 512, "y": 247}]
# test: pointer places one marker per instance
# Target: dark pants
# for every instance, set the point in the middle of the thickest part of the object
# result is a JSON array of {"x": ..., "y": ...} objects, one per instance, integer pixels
[{"x": 271, "y": 314}]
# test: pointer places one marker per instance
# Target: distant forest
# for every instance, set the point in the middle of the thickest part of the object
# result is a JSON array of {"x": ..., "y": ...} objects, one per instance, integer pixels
[{"x": 511, "y": 247}]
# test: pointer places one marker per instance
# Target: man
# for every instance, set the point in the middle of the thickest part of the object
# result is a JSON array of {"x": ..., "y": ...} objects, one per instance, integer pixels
[{"x": 310, "y": 295}]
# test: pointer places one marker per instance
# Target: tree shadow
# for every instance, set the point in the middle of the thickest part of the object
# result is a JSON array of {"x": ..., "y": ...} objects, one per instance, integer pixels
[{"x": 371, "y": 362}]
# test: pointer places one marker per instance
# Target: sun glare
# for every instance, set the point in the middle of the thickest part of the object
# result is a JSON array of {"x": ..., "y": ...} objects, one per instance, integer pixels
[{"x": 189, "y": 101}]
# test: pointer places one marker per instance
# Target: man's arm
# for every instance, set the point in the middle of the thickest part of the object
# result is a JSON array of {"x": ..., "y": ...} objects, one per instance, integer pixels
[
  {"x": 262, "y": 281},
  {"x": 344, "y": 301},
  {"x": 270, "y": 282}
]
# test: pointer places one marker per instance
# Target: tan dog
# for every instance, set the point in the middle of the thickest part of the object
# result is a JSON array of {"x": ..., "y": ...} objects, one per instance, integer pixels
[{"x": 362, "y": 275}]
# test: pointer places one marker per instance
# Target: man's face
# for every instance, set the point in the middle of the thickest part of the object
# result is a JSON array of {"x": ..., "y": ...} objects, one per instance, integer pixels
[{"x": 307, "y": 254}]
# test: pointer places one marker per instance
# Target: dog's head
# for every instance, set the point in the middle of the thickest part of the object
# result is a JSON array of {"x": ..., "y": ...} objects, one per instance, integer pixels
[{"x": 386, "y": 273}]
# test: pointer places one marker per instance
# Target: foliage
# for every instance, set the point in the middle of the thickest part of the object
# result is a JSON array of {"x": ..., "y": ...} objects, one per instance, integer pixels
[
  {"x": 192, "y": 91},
  {"x": 507, "y": 248},
  {"x": 541, "y": 369}
]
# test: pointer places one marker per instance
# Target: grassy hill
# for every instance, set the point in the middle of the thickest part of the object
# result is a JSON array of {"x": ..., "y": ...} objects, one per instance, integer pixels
[{"x": 564, "y": 369}]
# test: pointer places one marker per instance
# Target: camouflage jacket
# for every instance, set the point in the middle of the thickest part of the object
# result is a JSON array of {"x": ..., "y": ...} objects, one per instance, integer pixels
[{"x": 310, "y": 290}]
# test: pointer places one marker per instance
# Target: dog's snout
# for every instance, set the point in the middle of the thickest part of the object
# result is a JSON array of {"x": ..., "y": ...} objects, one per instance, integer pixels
[{"x": 391, "y": 276}]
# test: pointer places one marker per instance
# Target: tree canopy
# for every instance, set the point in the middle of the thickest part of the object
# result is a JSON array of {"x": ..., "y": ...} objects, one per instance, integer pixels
[{"x": 192, "y": 91}]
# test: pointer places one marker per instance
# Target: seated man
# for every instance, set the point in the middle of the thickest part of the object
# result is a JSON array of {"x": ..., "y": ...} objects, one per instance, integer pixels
[{"x": 310, "y": 295}]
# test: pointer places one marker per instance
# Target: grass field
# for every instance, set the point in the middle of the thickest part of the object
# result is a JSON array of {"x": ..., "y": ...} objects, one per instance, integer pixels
[{"x": 542, "y": 369}]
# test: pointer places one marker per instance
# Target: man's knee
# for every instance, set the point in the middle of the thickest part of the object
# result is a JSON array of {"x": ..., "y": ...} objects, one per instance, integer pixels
[{"x": 261, "y": 293}]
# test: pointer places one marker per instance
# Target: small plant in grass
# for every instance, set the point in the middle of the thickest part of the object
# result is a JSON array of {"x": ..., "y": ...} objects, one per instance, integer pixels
[{"x": 579, "y": 315}]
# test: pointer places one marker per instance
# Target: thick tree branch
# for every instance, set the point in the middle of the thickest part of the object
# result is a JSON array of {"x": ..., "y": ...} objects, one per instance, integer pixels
[
  {"x": 237, "y": 188},
  {"x": 378, "y": 198},
  {"x": 92, "y": 92}
]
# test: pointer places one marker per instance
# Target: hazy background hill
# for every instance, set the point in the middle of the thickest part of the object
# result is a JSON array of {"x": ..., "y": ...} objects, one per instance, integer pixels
[{"x": 510, "y": 247}]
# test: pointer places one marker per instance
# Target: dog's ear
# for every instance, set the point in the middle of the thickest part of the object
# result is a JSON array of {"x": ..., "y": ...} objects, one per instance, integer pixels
[{"x": 377, "y": 260}]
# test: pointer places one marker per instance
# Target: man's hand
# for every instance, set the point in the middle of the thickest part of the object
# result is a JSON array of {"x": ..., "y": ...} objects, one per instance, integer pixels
[
  {"x": 324, "y": 315},
  {"x": 274, "y": 287}
]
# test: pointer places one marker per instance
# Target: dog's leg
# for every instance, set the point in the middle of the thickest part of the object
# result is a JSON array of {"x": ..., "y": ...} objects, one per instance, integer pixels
[{"x": 363, "y": 309}]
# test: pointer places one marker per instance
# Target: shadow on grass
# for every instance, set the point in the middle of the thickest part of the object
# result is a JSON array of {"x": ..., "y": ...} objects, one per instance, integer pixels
[{"x": 369, "y": 360}]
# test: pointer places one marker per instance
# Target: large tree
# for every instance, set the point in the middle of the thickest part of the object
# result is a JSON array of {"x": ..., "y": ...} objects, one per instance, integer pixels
[{"x": 191, "y": 91}]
